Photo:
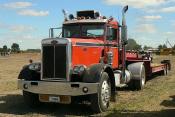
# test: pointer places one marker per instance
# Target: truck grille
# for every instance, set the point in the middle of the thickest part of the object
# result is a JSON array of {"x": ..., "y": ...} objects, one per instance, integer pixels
[{"x": 54, "y": 62}]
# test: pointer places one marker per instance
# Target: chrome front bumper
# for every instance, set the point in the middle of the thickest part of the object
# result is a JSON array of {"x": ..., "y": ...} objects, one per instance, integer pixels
[{"x": 58, "y": 88}]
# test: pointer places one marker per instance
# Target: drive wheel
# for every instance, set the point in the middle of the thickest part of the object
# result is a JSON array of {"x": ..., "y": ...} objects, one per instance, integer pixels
[
  {"x": 101, "y": 101},
  {"x": 140, "y": 83},
  {"x": 31, "y": 99}
]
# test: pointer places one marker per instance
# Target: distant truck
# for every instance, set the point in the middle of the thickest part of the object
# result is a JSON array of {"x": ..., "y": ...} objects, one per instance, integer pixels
[{"x": 86, "y": 64}]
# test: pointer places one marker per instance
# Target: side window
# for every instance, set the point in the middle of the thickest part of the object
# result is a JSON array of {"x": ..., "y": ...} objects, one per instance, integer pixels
[{"x": 111, "y": 34}]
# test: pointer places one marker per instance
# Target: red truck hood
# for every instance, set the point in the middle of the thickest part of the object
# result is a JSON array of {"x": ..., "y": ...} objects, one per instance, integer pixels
[{"x": 83, "y": 40}]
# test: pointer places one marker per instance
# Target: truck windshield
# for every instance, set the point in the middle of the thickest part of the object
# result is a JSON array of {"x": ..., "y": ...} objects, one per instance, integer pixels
[{"x": 83, "y": 30}]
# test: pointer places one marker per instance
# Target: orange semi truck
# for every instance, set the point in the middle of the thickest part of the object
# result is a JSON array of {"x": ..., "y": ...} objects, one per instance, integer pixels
[{"x": 86, "y": 63}]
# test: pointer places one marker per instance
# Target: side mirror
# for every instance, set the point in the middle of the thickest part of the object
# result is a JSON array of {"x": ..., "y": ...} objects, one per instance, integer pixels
[
  {"x": 124, "y": 34},
  {"x": 51, "y": 32},
  {"x": 109, "y": 33}
]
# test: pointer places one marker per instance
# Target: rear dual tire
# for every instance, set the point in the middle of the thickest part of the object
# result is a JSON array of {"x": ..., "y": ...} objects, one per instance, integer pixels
[{"x": 138, "y": 84}]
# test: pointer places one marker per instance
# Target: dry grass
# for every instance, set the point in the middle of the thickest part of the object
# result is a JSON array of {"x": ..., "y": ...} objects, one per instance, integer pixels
[
  {"x": 10, "y": 67},
  {"x": 155, "y": 100}
]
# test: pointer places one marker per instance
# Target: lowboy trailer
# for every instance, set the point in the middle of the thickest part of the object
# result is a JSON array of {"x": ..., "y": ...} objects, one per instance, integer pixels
[{"x": 86, "y": 64}]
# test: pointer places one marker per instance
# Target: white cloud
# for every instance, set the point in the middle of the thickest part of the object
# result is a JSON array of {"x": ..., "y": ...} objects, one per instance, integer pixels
[
  {"x": 168, "y": 10},
  {"x": 161, "y": 10},
  {"x": 21, "y": 28},
  {"x": 17, "y": 5},
  {"x": 137, "y": 3},
  {"x": 31, "y": 12},
  {"x": 152, "y": 17},
  {"x": 16, "y": 28},
  {"x": 169, "y": 33},
  {"x": 146, "y": 28}
]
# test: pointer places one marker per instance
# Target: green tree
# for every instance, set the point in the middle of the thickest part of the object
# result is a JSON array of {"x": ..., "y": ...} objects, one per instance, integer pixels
[
  {"x": 160, "y": 47},
  {"x": 146, "y": 47},
  {"x": 132, "y": 45},
  {"x": 15, "y": 48},
  {"x": 164, "y": 46},
  {"x": 138, "y": 47},
  {"x": 5, "y": 48},
  {"x": 1, "y": 49}
]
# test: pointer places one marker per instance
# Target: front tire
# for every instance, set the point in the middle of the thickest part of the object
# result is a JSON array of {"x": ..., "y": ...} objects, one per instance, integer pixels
[
  {"x": 31, "y": 99},
  {"x": 101, "y": 101}
]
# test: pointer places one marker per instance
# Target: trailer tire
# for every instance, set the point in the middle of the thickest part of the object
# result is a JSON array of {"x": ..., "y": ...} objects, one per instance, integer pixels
[
  {"x": 101, "y": 100},
  {"x": 140, "y": 83},
  {"x": 164, "y": 72},
  {"x": 31, "y": 99}
]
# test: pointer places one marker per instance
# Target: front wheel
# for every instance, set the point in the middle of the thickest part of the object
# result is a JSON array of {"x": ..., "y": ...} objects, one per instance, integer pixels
[
  {"x": 31, "y": 99},
  {"x": 101, "y": 101}
]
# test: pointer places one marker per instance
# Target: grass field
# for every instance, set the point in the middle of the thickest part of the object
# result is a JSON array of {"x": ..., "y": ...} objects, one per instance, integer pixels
[{"x": 156, "y": 99}]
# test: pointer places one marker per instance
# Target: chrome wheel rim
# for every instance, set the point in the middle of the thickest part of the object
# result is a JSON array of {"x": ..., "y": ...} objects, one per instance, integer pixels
[{"x": 105, "y": 93}]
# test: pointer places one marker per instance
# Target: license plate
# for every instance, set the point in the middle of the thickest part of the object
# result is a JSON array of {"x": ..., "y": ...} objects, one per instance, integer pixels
[{"x": 54, "y": 99}]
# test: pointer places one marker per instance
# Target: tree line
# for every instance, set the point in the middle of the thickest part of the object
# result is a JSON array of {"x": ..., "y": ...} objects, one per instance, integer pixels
[
  {"x": 14, "y": 48},
  {"x": 133, "y": 45}
]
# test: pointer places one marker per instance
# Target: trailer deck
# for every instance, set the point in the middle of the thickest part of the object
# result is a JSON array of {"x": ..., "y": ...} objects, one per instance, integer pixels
[{"x": 150, "y": 68}]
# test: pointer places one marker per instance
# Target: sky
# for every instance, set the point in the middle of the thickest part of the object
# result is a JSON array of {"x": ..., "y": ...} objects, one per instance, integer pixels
[{"x": 26, "y": 22}]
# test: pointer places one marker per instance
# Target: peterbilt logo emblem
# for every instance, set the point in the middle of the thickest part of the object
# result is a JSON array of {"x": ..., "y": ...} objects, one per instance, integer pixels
[{"x": 54, "y": 42}]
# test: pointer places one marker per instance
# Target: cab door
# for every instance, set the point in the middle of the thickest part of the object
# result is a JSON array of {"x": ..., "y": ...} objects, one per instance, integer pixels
[{"x": 112, "y": 46}]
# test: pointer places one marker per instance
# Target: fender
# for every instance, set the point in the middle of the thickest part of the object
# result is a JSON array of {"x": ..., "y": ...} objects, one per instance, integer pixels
[
  {"x": 94, "y": 72},
  {"x": 135, "y": 69},
  {"x": 28, "y": 74}
]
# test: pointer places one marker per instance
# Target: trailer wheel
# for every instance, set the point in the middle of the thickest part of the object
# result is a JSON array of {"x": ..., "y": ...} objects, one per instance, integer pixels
[
  {"x": 164, "y": 72},
  {"x": 140, "y": 83},
  {"x": 31, "y": 99},
  {"x": 101, "y": 101}
]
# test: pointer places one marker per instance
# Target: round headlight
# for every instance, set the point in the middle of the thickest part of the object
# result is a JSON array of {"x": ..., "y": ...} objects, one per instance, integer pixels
[
  {"x": 31, "y": 67},
  {"x": 34, "y": 66},
  {"x": 79, "y": 69},
  {"x": 76, "y": 69}
]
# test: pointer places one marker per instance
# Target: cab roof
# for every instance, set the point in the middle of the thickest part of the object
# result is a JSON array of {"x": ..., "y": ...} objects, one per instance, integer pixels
[{"x": 86, "y": 21}]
